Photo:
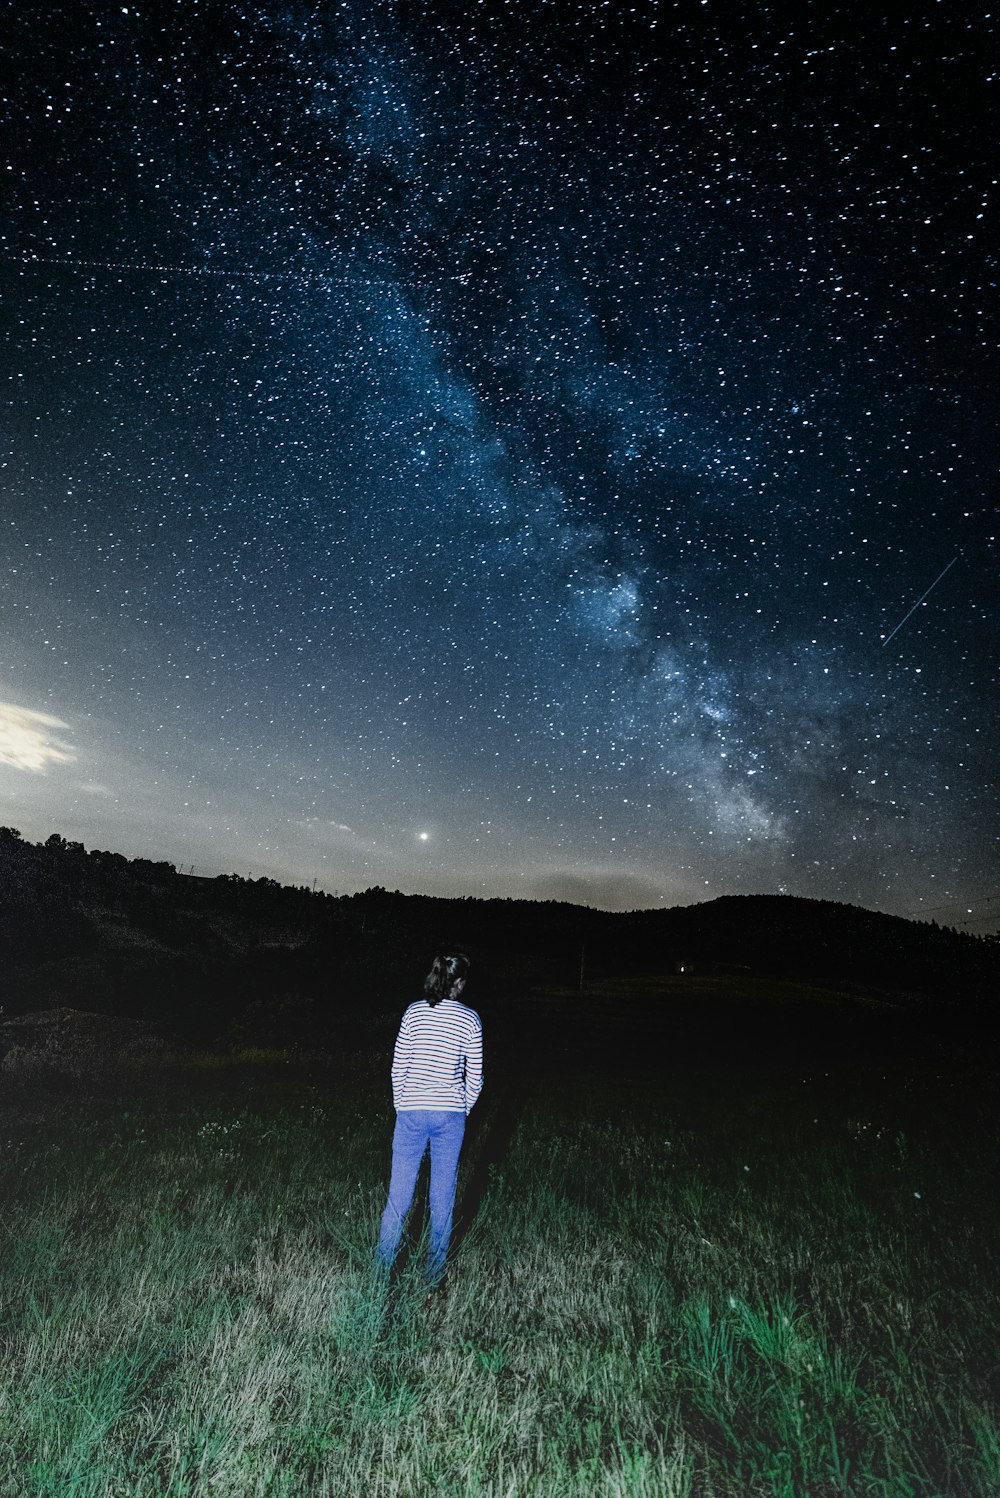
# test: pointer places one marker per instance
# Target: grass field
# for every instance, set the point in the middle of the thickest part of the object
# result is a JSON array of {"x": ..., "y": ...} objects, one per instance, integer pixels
[{"x": 702, "y": 1284}]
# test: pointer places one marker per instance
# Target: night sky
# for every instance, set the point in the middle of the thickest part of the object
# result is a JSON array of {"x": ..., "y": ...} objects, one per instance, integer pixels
[{"x": 485, "y": 449}]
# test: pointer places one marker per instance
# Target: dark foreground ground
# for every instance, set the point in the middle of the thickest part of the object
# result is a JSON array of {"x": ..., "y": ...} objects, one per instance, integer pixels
[{"x": 713, "y": 1237}]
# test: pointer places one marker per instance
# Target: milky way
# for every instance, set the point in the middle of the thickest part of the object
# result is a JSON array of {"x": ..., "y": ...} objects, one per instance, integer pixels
[{"x": 487, "y": 449}]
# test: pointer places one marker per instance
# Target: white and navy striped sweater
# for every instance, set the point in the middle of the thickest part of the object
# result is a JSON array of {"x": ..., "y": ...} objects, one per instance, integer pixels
[{"x": 438, "y": 1059}]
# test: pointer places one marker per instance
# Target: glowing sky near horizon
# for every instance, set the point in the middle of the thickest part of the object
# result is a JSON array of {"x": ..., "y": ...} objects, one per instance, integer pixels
[{"x": 491, "y": 449}]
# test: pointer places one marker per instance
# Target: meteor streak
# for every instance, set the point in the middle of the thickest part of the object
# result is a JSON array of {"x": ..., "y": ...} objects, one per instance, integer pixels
[{"x": 920, "y": 600}]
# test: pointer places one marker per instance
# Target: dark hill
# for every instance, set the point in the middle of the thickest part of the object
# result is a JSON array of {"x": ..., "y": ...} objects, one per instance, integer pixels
[{"x": 256, "y": 961}]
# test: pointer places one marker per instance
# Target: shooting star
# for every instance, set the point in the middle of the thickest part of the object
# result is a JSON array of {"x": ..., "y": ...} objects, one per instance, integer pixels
[{"x": 920, "y": 601}]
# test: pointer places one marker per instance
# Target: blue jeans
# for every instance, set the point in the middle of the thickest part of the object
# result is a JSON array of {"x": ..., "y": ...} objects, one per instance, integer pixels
[{"x": 415, "y": 1129}]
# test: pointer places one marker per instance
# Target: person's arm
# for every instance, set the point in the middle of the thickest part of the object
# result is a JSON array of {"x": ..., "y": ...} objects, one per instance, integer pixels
[
  {"x": 473, "y": 1067},
  {"x": 400, "y": 1061}
]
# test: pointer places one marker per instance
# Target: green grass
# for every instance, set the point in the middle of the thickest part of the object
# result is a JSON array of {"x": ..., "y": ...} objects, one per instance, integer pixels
[{"x": 684, "y": 1288}]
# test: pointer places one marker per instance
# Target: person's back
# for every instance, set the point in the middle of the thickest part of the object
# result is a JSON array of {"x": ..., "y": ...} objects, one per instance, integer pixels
[
  {"x": 437, "y": 1062},
  {"x": 437, "y": 1075}
]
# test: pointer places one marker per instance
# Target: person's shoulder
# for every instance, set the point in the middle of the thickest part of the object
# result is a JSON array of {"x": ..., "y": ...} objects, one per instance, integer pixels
[
  {"x": 469, "y": 1015},
  {"x": 413, "y": 1009}
]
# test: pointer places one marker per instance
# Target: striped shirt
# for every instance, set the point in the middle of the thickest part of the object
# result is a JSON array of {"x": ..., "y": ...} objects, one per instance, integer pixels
[{"x": 438, "y": 1059}]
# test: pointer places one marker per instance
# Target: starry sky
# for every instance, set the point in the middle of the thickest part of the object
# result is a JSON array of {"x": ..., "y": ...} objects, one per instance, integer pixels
[{"x": 494, "y": 449}]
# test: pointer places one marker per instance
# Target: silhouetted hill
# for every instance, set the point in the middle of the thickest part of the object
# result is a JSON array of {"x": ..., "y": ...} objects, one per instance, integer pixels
[{"x": 267, "y": 963}]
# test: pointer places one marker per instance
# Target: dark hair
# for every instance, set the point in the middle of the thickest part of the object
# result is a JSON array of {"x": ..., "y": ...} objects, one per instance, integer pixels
[{"x": 446, "y": 975}]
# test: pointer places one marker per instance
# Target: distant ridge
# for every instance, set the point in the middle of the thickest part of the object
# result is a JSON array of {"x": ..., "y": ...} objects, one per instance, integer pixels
[{"x": 97, "y": 931}]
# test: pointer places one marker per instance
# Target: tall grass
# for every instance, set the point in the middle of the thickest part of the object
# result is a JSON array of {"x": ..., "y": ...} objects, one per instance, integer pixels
[{"x": 657, "y": 1292}]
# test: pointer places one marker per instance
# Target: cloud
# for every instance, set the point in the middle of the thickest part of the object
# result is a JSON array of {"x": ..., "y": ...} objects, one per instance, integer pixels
[
  {"x": 327, "y": 832},
  {"x": 27, "y": 742}
]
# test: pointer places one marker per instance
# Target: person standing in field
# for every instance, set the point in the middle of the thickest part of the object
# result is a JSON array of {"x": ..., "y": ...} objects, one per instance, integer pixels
[{"x": 437, "y": 1075}]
